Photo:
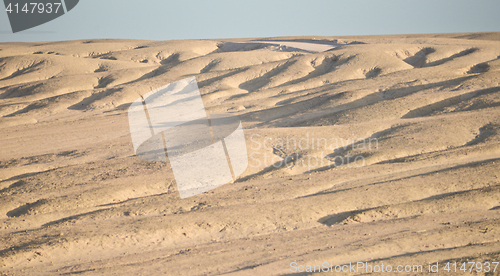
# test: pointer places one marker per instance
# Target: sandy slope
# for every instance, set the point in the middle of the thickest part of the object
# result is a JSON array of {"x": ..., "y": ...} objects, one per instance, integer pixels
[{"x": 415, "y": 120}]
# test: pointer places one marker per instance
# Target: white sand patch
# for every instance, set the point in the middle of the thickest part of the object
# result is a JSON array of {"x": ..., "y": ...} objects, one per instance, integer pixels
[{"x": 282, "y": 46}]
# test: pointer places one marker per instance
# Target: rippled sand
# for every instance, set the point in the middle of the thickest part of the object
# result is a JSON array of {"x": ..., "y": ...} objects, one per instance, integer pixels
[{"x": 415, "y": 119}]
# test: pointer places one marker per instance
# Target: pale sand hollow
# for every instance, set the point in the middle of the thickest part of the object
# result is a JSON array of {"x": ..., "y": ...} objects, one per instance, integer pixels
[{"x": 75, "y": 200}]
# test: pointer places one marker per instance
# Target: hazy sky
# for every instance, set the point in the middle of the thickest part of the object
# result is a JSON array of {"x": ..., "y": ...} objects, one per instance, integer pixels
[{"x": 195, "y": 19}]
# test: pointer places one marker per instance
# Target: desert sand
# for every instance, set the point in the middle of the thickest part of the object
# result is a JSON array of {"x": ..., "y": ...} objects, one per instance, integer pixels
[{"x": 392, "y": 146}]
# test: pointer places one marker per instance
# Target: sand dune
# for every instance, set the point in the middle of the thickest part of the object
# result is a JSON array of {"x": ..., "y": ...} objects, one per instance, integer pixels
[{"x": 379, "y": 149}]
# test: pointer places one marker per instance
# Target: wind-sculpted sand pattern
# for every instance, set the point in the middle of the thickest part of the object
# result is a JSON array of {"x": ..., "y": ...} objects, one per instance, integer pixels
[{"x": 382, "y": 149}]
